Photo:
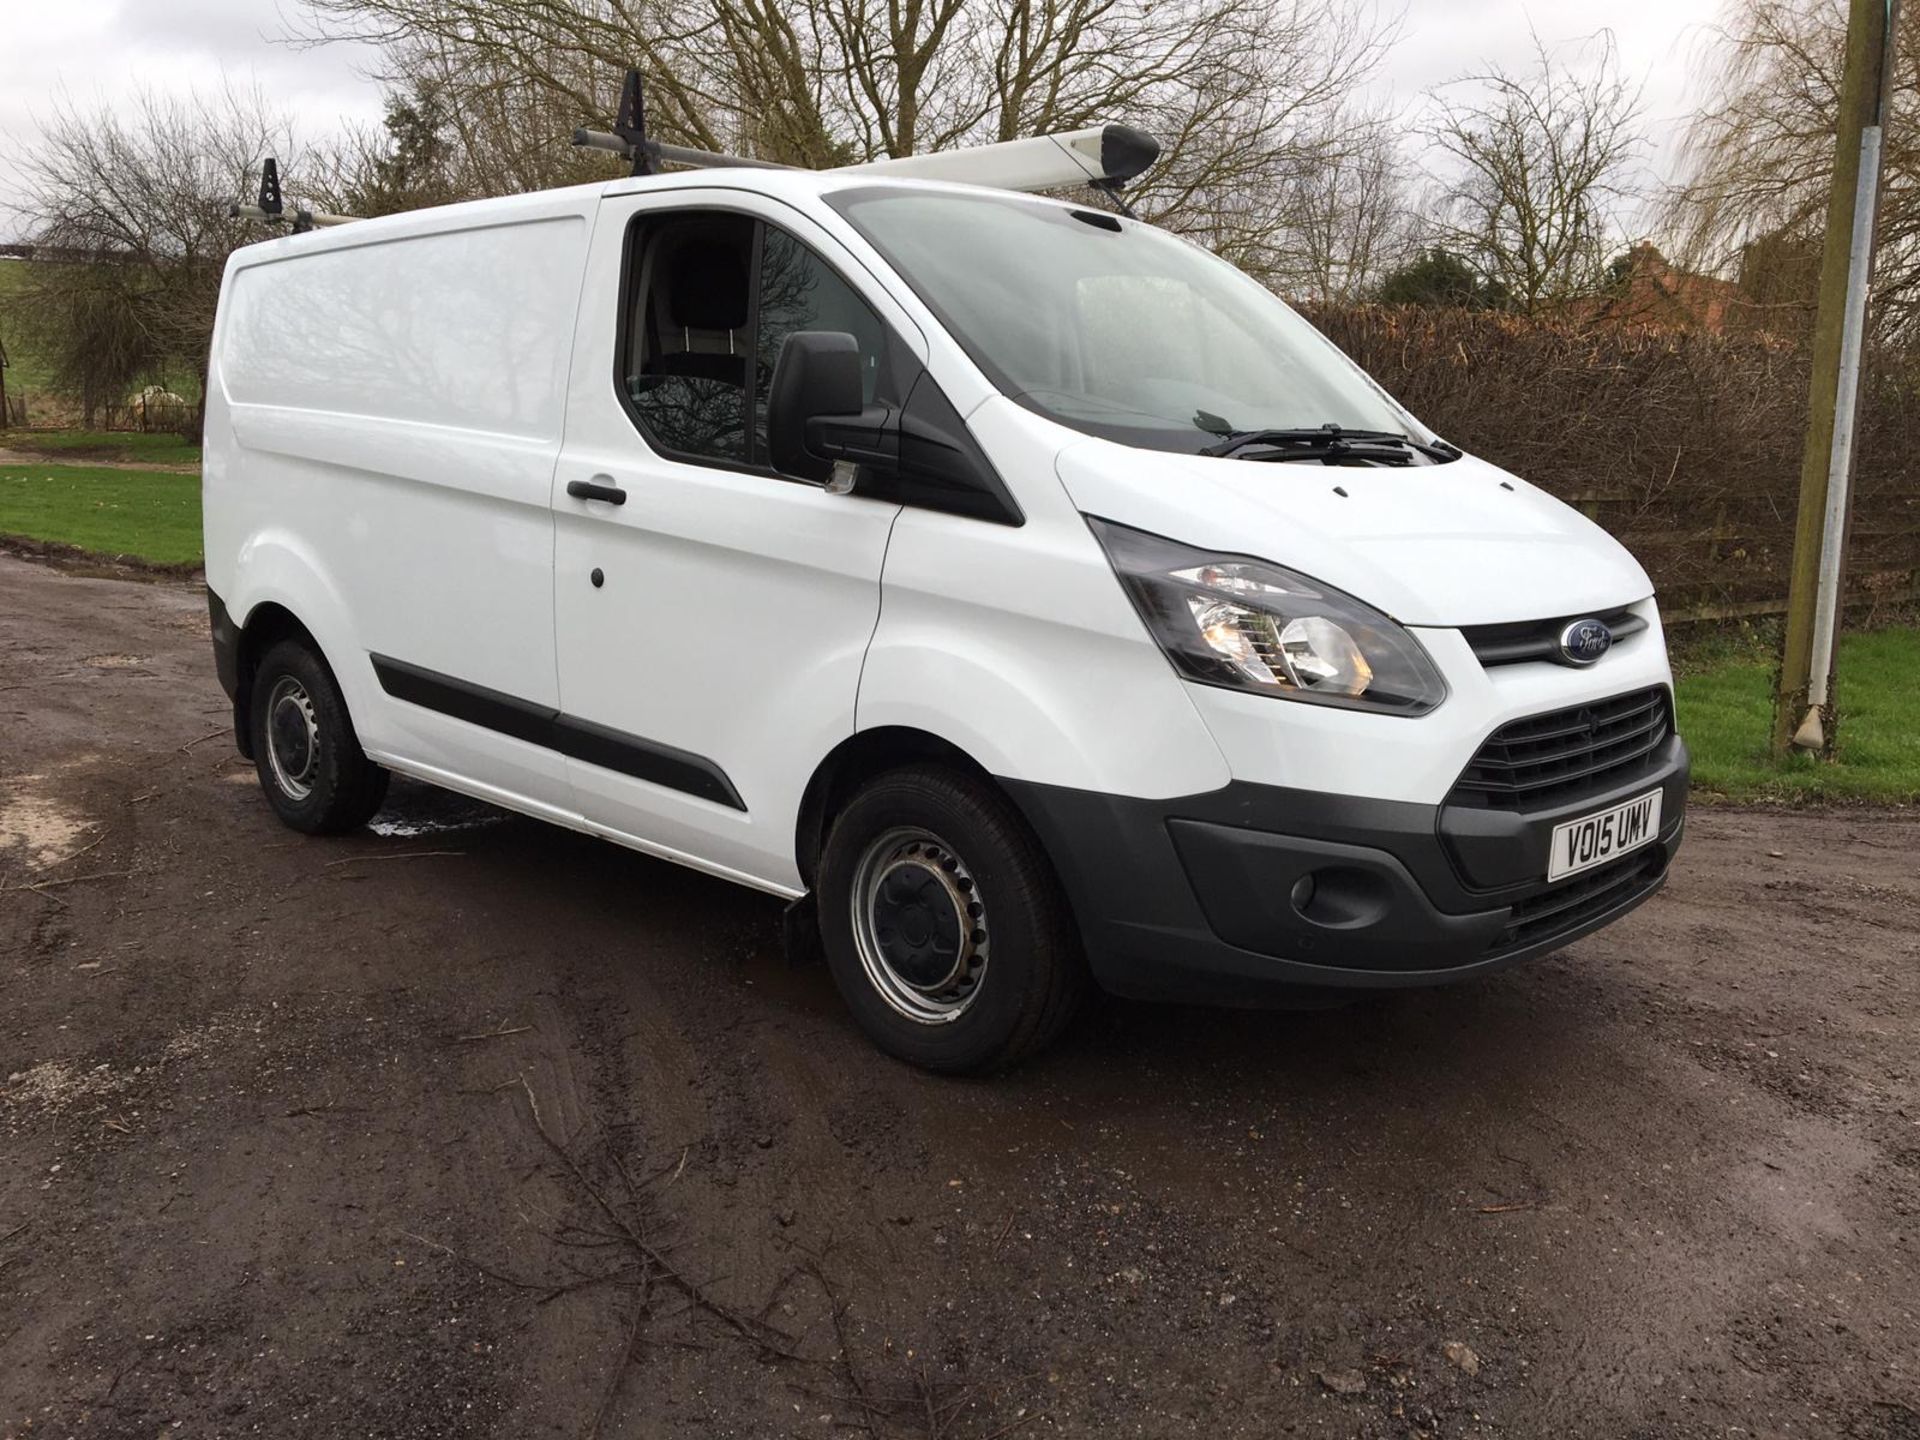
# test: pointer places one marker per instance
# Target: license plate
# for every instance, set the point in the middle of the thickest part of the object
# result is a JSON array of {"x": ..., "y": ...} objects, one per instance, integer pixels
[{"x": 1594, "y": 839}]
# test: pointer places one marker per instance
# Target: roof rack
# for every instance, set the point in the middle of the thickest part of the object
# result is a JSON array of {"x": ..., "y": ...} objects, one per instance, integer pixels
[
  {"x": 1106, "y": 157},
  {"x": 272, "y": 209}
]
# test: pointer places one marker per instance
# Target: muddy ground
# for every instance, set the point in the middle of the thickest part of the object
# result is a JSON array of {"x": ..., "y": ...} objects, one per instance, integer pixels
[{"x": 473, "y": 1127}]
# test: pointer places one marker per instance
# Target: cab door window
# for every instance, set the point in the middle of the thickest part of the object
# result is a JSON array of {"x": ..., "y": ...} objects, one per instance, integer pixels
[
  {"x": 712, "y": 295},
  {"x": 799, "y": 291},
  {"x": 689, "y": 334}
]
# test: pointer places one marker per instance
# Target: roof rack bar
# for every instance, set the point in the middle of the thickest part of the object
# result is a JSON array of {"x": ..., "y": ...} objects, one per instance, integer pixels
[
  {"x": 1106, "y": 157},
  {"x": 303, "y": 219},
  {"x": 661, "y": 151},
  {"x": 271, "y": 208},
  {"x": 629, "y": 140}
]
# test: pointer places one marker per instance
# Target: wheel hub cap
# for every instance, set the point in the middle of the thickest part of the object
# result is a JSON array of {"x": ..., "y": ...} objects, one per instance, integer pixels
[
  {"x": 919, "y": 925},
  {"x": 918, "y": 922},
  {"x": 293, "y": 738}
]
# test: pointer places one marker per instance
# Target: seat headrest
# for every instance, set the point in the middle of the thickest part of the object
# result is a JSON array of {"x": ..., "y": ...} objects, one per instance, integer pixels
[{"x": 706, "y": 286}]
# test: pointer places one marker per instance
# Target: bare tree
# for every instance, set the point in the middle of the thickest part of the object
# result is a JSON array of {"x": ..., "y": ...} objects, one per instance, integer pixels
[
  {"x": 1760, "y": 159},
  {"x": 1351, "y": 219},
  {"x": 1248, "y": 96},
  {"x": 458, "y": 127},
  {"x": 133, "y": 203},
  {"x": 1543, "y": 162}
]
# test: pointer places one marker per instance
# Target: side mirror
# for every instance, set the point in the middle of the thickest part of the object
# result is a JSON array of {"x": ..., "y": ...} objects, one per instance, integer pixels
[
  {"x": 918, "y": 452},
  {"x": 817, "y": 375}
]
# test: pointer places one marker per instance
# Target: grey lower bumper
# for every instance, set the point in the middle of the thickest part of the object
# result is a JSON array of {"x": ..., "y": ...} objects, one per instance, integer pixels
[{"x": 1255, "y": 894}]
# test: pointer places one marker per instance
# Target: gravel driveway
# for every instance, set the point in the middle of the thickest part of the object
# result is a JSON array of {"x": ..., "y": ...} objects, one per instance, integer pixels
[{"x": 466, "y": 1126}]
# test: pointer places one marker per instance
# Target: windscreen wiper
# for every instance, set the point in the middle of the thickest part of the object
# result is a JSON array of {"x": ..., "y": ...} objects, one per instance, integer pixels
[{"x": 1327, "y": 442}]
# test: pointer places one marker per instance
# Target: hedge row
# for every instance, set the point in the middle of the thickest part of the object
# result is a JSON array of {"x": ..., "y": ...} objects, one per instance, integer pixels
[{"x": 1685, "y": 445}]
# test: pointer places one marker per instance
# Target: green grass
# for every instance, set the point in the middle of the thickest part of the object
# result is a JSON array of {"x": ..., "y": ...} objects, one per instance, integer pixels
[
  {"x": 132, "y": 514},
  {"x": 82, "y": 445},
  {"x": 1726, "y": 714}
]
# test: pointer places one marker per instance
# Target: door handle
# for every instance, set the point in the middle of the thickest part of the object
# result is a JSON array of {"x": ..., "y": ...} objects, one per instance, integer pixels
[{"x": 594, "y": 490}]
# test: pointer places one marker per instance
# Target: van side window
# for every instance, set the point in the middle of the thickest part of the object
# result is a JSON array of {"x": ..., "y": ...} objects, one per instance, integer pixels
[
  {"x": 799, "y": 292},
  {"x": 689, "y": 335}
]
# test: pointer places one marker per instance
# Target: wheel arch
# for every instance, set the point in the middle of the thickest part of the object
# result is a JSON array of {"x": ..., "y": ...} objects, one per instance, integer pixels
[
  {"x": 853, "y": 762},
  {"x": 280, "y": 591}
]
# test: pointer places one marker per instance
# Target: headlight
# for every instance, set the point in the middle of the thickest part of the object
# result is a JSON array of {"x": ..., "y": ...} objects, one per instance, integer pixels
[{"x": 1249, "y": 625}]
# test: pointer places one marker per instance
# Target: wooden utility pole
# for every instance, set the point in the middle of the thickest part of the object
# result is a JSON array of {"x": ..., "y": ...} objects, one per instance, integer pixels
[{"x": 1803, "y": 713}]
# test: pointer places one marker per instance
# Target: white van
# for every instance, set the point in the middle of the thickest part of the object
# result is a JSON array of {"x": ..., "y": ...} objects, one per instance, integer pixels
[{"x": 1023, "y": 587}]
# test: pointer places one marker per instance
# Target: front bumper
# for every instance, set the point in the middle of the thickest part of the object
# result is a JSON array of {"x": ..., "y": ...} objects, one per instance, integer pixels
[{"x": 1201, "y": 898}]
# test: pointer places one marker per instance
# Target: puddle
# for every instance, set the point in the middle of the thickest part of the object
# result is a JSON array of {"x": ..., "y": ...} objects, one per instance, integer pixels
[
  {"x": 48, "y": 831},
  {"x": 413, "y": 809}
]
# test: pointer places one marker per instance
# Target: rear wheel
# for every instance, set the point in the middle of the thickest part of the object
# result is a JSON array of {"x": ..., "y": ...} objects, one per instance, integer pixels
[
  {"x": 310, "y": 764},
  {"x": 944, "y": 925}
]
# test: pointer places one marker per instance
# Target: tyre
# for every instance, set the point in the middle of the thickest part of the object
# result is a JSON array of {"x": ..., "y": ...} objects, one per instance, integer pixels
[
  {"x": 311, "y": 766},
  {"x": 944, "y": 925}
]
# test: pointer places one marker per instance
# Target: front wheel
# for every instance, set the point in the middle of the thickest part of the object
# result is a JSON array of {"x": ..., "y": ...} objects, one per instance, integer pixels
[{"x": 945, "y": 928}]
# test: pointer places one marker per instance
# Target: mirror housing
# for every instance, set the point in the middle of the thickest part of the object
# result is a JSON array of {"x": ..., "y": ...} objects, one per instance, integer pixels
[
  {"x": 815, "y": 378},
  {"x": 917, "y": 452}
]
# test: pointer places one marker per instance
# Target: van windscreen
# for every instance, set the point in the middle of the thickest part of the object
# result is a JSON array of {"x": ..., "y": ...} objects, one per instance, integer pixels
[{"x": 1114, "y": 327}]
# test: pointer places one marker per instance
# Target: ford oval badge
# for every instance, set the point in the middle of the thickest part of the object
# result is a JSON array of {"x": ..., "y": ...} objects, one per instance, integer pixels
[{"x": 1585, "y": 641}]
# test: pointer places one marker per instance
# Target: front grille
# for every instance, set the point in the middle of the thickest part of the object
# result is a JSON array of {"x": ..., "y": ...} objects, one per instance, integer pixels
[
  {"x": 1553, "y": 759},
  {"x": 1570, "y": 903},
  {"x": 1522, "y": 640}
]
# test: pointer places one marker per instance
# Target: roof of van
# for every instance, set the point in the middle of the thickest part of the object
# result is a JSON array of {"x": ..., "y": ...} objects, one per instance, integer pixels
[{"x": 786, "y": 184}]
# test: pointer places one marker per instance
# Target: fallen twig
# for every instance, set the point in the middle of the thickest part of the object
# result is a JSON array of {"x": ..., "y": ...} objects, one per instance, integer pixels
[
  {"x": 326, "y": 1107},
  {"x": 492, "y": 1034},
  {"x": 767, "y": 1336},
  {"x": 210, "y": 735},
  {"x": 64, "y": 859},
  {"x": 1505, "y": 1208},
  {"x": 545, "y": 1289},
  {"x": 837, "y": 1312},
  {"x": 15, "y": 1231},
  {"x": 43, "y": 680},
  {"x": 1001, "y": 1238},
  {"x": 1024, "y": 1420},
  {"x": 620, "y": 1369},
  {"x": 72, "y": 880}
]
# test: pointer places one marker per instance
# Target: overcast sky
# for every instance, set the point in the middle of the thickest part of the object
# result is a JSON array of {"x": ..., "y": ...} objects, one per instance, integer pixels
[{"x": 93, "y": 49}]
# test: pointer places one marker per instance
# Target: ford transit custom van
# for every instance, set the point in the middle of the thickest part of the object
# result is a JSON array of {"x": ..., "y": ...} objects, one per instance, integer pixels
[{"x": 1032, "y": 599}]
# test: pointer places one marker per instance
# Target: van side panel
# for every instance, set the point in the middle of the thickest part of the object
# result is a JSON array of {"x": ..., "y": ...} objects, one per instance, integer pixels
[
  {"x": 389, "y": 410},
  {"x": 466, "y": 328}
]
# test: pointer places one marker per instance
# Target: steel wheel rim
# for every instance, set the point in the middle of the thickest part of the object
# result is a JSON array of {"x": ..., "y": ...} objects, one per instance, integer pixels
[
  {"x": 919, "y": 925},
  {"x": 293, "y": 738}
]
